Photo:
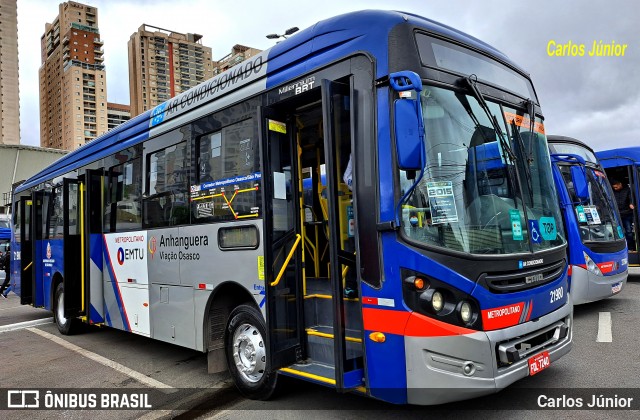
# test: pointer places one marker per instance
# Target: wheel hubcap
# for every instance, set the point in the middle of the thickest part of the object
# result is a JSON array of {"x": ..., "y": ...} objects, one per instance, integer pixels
[{"x": 249, "y": 352}]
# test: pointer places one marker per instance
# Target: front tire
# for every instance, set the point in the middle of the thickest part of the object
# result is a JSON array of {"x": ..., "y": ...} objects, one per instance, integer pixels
[
  {"x": 246, "y": 351},
  {"x": 65, "y": 326}
]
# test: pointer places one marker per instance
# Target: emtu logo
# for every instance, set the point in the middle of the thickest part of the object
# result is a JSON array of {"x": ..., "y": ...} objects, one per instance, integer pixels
[
  {"x": 130, "y": 254},
  {"x": 152, "y": 246},
  {"x": 120, "y": 256}
]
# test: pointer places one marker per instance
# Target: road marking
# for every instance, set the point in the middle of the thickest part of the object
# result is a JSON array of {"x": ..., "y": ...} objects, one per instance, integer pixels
[
  {"x": 604, "y": 328},
  {"x": 103, "y": 360},
  {"x": 25, "y": 324}
]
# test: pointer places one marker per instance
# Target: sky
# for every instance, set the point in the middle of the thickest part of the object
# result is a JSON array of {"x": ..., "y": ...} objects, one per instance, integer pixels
[{"x": 594, "y": 99}]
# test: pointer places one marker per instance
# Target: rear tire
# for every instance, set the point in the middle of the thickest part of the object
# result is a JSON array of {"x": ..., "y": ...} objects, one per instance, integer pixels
[
  {"x": 246, "y": 351},
  {"x": 65, "y": 326}
]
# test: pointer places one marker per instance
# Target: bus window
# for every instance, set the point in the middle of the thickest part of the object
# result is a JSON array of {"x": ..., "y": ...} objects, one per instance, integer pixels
[
  {"x": 210, "y": 151},
  {"x": 228, "y": 175},
  {"x": 167, "y": 186},
  {"x": 55, "y": 221},
  {"x": 122, "y": 205}
]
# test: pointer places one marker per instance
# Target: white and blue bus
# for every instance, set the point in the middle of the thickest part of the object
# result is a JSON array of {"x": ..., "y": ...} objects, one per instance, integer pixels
[
  {"x": 597, "y": 250},
  {"x": 189, "y": 224}
]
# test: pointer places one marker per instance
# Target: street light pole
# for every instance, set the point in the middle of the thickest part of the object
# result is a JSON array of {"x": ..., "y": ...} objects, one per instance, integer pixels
[{"x": 287, "y": 33}]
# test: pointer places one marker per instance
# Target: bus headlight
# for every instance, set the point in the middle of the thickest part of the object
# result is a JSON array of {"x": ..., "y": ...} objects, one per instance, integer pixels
[
  {"x": 465, "y": 312},
  {"x": 592, "y": 267},
  {"x": 437, "y": 301}
]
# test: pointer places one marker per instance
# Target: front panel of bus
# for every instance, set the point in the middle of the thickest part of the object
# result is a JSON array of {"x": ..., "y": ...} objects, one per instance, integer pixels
[
  {"x": 478, "y": 257},
  {"x": 597, "y": 247}
]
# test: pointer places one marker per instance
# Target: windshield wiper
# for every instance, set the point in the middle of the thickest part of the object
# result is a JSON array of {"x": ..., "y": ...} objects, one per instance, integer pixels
[
  {"x": 528, "y": 159},
  {"x": 507, "y": 152},
  {"x": 504, "y": 144}
]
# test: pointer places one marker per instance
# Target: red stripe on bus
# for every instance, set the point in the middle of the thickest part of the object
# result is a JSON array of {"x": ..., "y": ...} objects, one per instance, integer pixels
[
  {"x": 502, "y": 317},
  {"x": 408, "y": 323},
  {"x": 385, "y": 320}
]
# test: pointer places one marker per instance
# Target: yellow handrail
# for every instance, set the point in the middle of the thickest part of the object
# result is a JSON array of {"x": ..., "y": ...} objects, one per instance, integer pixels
[
  {"x": 27, "y": 267},
  {"x": 286, "y": 262}
]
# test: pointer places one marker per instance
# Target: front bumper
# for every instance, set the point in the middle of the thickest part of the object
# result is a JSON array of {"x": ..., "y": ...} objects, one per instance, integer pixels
[
  {"x": 587, "y": 287},
  {"x": 453, "y": 368}
]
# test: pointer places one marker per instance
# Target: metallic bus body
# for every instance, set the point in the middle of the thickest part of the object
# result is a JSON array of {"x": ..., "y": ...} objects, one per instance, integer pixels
[{"x": 422, "y": 359}]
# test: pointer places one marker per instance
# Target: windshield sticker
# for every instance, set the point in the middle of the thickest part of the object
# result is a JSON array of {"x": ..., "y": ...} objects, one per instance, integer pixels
[
  {"x": 548, "y": 228},
  {"x": 442, "y": 202},
  {"x": 516, "y": 225},
  {"x": 582, "y": 217},
  {"x": 593, "y": 218},
  {"x": 523, "y": 121},
  {"x": 534, "y": 232},
  {"x": 620, "y": 233}
]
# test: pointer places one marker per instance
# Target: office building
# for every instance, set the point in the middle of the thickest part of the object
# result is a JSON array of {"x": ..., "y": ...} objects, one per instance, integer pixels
[
  {"x": 163, "y": 64},
  {"x": 238, "y": 54},
  {"x": 117, "y": 114},
  {"x": 9, "y": 107},
  {"x": 73, "y": 81}
]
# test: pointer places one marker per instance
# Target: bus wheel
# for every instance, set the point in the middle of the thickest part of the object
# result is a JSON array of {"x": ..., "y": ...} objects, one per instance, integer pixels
[
  {"x": 246, "y": 350},
  {"x": 65, "y": 326}
]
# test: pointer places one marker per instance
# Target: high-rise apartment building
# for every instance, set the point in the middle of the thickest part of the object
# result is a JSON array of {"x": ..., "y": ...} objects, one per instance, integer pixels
[
  {"x": 9, "y": 108},
  {"x": 73, "y": 81},
  {"x": 163, "y": 64},
  {"x": 117, "y": 114},
  {"x": 238, "y": 54}
]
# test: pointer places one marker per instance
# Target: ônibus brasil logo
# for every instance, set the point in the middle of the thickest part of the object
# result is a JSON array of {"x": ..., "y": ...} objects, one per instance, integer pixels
[{"x": 152, "y": 246}]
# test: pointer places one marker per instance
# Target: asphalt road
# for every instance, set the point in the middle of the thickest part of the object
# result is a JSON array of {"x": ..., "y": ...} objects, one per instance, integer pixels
[{"x": 102, "y": 360}]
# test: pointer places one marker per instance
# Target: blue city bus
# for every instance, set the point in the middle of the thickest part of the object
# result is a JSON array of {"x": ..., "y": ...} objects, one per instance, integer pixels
[
  {"x": 597, "y": 248},
  {"x": 189, "y": 223},
  {"x": 623, "y": 165}
]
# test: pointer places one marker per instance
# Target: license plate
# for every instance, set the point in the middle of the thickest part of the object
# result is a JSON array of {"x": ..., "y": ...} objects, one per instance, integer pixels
[
  {"x": 539, "y": 362},
  {"x": 615, "y": 288}
]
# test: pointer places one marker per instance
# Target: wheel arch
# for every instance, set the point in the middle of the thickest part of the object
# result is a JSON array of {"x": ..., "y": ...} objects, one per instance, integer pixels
[{"x": 224, "y": 299}]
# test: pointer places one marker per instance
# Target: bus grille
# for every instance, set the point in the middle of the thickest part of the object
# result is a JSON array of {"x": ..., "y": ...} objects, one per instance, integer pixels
[
  {"x": 519, "y": 348},
  {"x": 522, "y": 279}
]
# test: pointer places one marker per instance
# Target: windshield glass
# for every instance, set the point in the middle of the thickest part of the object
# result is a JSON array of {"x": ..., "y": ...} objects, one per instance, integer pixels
[
  {"x": 480, "y": 194},
  {"x": 597, "y": 218}
]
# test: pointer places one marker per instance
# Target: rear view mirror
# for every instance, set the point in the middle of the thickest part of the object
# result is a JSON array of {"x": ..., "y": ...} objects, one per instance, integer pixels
[
  {"x": 580, "y": 185},
  {"x": 408, "y": 139},
  {"x": 408, "y": 125}
]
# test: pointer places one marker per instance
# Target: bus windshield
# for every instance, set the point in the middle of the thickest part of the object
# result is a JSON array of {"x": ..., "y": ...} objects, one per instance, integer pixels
[
  {"x": 597, "y": 218},
  {"x": 483, "y": 192}
]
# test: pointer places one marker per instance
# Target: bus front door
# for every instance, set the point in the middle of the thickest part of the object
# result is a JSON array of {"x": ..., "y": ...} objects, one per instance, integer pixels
[
  {"x": 282, "y": 268},
  {"x": 347, "y": 319},
  {"x": 313, "y": 311}
]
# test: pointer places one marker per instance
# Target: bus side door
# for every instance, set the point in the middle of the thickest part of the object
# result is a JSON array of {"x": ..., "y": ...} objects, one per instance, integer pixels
[
  {"x": 73, "y": 252},
  {"x": 26, "y": 252}
]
